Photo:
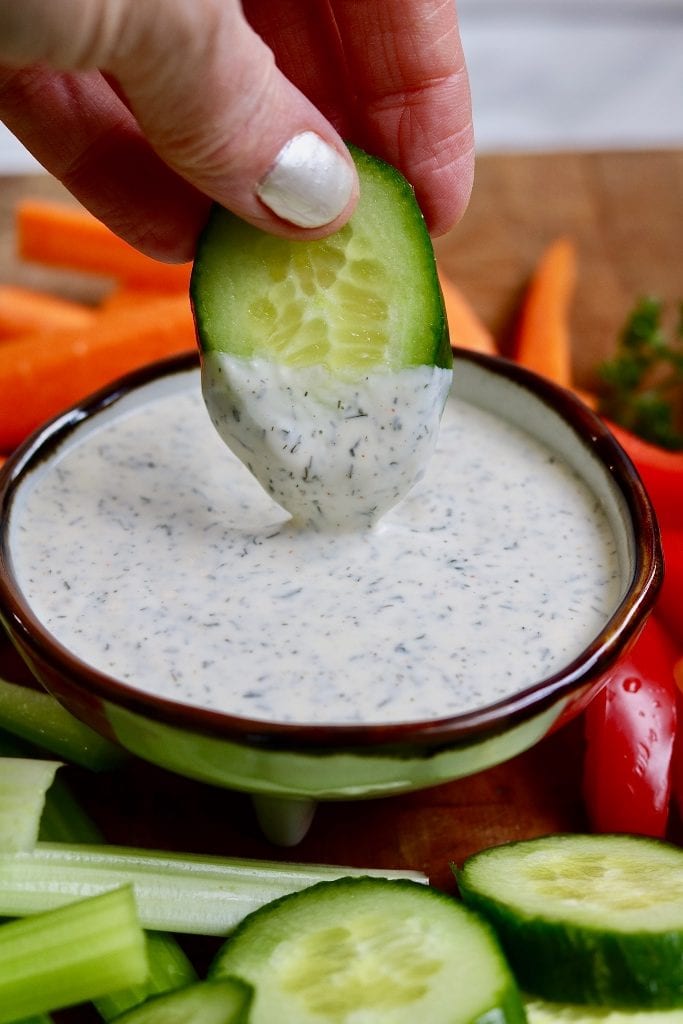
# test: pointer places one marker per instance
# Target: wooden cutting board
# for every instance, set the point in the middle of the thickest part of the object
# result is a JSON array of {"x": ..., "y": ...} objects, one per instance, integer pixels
[{"x": 625, "y": 212}]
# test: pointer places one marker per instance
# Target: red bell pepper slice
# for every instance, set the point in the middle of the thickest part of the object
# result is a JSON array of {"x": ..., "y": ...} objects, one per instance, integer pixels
[
  {"x": 669, "y": 607},
  {"x": 662, "y": 473},
  {"x": 629, "y": 731}
]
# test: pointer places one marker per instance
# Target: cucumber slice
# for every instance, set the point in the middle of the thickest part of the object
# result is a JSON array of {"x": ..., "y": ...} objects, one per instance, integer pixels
[
  {"x": 367, "y": 296},
  {"x": 221, "y": 1001},
  {"x": 586, "y": 918},
  {"x": 370, "y": 950},
  {"x": 540, "y": 1012},
  {"x": 326, "y": 364}
]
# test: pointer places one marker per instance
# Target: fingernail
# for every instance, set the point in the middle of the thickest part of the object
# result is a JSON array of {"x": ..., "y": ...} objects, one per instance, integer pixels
[{"x": 309, "y": 183}]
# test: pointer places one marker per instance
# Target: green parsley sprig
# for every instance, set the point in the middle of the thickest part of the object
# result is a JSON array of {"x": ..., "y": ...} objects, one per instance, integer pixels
[{"x": 643, "y": 382}]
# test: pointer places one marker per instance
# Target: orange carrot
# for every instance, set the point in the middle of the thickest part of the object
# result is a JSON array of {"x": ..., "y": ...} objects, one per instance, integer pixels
[
  {"x": 44, "y": 374},
  {"x": 67, "y": 236},
  {"x": 124, "y": 298},
  {"x": 23, "y": 311},
  {"x": 543, "y": 340},
  {"x": 465, "y": 326},
  {"x": 588, "y": 398}
]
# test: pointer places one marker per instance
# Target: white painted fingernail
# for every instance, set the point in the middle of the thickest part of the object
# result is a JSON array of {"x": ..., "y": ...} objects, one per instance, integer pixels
[{"x": 309, "y": 183}]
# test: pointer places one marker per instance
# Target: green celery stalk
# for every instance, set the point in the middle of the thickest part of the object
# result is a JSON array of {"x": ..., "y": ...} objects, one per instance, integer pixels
[
  {"x": 39, "y": 718},
  {"x": 23, "y": 785},
  {"x": 174, "y": 892},
  {"x": 70, "y": 955},
  {"x": 64, "y": 821},
  {"x": 169, "y": 969}
]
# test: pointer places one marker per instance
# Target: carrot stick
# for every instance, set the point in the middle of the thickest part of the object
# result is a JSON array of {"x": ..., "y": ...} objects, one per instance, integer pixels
[
  {"x": 23, "y": 311},
  {"x": 465, "y": 326},
  {"x": 42, "y": 375},
  {"x": 124, "y": 298},
  {"x": 543, "y": 341},
  {"x": 64, "y": 236},
  {"x": 588, "y": 398}
]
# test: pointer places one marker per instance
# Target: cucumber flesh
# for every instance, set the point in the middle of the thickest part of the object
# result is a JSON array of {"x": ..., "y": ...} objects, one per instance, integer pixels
[
  {"x": 223, "y": 1001},
  {"x": 588, "y": 919},
  {"x": 370, "y": 950},
  {"x": 366, "y": 297}
]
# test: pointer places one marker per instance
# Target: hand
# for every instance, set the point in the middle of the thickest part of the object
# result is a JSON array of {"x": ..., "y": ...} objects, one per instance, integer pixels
[{"x": 149, "y": 109}]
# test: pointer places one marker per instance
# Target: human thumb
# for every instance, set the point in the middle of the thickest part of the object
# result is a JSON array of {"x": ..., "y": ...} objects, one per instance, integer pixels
[{"x": 208, "y": 96}]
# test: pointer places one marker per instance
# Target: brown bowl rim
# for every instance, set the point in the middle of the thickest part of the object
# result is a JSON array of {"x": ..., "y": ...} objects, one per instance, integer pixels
[{"x": 596, "y": 659}]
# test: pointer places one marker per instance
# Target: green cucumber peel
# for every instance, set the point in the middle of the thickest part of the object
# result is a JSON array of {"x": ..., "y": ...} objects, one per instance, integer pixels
[
  {"x": 373, "y": 950},
  {"x": 366, "y": 297},
  {"x": 219, "y": 1001},
  {"x": 586, "y": 919}
]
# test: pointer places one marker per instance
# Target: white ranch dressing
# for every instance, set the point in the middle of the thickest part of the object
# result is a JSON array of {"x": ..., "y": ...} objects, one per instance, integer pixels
[
  {"x": 151, "y": 553},
  {"x": 336, "y": 453}
]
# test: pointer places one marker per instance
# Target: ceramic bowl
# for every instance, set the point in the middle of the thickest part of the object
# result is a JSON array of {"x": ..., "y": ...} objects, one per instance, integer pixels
[{"x": 289, "y": 767}]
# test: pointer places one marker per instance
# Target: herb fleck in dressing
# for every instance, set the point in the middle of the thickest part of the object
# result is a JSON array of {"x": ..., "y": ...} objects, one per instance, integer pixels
[
  {"x": 336, "y": 453},
  {"x": 151, "y": 552}
]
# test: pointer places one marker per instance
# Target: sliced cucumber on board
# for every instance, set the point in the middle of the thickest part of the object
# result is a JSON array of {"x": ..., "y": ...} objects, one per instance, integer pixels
[
  {"x": 540, "y": 1012},
  {"x": 588, "y": 919},
  {"x": 366, "y": 297},
  {"x": 370, "y": 950},
  {"x": 223, "y": 1001}
]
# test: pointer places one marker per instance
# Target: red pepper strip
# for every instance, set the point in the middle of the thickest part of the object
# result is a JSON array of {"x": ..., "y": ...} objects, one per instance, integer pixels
[
  {"x": 677, "y": 768},
  {"x": 629, "y": 731},
  {"x": 669, "y": 607},
  {"x": 661, "y": 472}
]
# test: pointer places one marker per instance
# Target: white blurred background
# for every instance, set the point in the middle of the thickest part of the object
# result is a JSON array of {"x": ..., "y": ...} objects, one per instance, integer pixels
[{"x": 556, "y": 74}]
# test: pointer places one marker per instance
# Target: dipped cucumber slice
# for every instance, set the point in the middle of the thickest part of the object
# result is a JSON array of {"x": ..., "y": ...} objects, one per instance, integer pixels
[
  {"x": 370, "y": 950},
  {"x": 367, "y": 296},
  {"x": 326, "y": 364},
  {"x": 588, "y": 919}
]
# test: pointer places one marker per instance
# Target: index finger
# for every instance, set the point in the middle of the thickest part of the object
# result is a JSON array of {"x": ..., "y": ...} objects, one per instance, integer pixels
[{"x": 408, "y": 82}]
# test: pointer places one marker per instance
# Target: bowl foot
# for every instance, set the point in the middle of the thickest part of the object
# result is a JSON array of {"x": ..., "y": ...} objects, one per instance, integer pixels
[{"x": 284, "y": 821}]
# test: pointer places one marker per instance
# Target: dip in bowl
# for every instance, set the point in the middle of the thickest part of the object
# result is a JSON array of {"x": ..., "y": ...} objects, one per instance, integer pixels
[{"x": 156, "y": 589}]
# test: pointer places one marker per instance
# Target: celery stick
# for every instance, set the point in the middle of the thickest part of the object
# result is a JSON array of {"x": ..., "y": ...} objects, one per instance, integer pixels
[
  {"x": 169, "y": 969},
  {"x": 64, "y": 821},
  {"x": 70, "y": 955},
  {"x": 174, "y": 892},
  {"x": 23, "y": 785},
  {"x": 37, "y": 717}
]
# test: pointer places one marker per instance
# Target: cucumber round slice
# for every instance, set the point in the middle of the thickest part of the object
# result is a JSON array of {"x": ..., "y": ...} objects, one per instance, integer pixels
[
  {"x": 586, "y": 918},
  {"x": 370, "y": 950},
  {"x": 540, "y": 1012},
  {"x": 366, "y": 297},
  {"x": 222, "y": 1001}
]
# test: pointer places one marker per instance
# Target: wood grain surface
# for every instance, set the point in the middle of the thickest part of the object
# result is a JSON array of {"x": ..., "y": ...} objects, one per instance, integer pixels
[{"x": 624, "y": 211}]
